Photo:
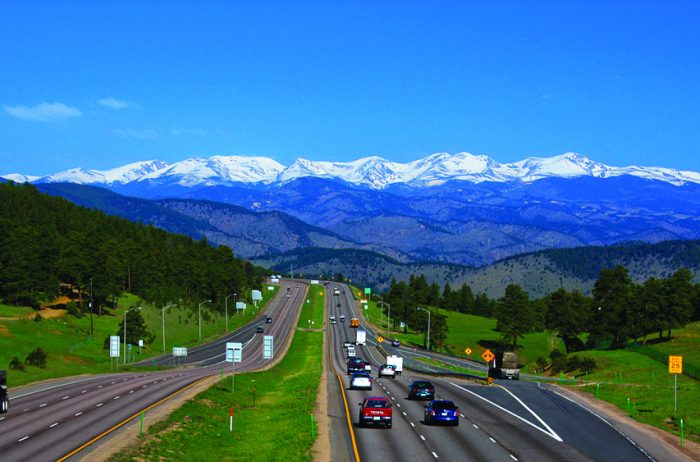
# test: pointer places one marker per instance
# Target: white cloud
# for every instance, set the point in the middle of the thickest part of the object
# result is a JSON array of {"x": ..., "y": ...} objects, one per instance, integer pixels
[
  {"x": 139, "y": 134},
  {"x": 114, "y": 103},
  {"x": 44, "y": 112},
  {"x": 179, "y": 131}
]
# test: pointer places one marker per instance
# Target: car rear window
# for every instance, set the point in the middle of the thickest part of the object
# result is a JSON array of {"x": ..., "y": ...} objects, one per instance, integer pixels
[
  {"x": 356, "y": 361},
  {"x": 444, "y": 405},
  {"x": 376, "y": 403},
  {"x": 422, "y": 385}
]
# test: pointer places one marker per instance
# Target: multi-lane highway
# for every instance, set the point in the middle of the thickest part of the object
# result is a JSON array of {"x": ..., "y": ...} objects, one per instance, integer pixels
[
  {"x": 56, "y": 422},
  {"x": 505, "y": 422}
]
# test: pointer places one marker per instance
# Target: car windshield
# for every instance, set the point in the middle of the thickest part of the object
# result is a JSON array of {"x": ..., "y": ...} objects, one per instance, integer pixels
[
  {"x": 376, "y": 403},
  {"x": 422, "y": 385},
  {"x": 360, "y": 375},
  {"x": 444, "y": 406},
  {"x": 386, "y": 366},
  {"x": 356, "y": 361}
]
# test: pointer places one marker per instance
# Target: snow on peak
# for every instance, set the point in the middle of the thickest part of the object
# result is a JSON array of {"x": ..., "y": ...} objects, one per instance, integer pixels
[
  {"x": 218, "y": 170},
  {"x": 19, "y": 178}
]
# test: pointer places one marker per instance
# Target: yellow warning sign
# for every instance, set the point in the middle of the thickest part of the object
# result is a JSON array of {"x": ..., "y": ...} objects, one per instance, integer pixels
[
  {"x": 489, "y": 380},
  {"x": 380, "y": 339},
  {"x": 487, "y": 355},
  {"x": 468, "y": 351},
  {"x": 675, "y": 364}
]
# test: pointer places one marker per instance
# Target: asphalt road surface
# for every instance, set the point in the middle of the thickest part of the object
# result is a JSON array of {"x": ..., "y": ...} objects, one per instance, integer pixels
[
  {"x": 50, "y": 422},
  {"x": 511, "y": 421}
]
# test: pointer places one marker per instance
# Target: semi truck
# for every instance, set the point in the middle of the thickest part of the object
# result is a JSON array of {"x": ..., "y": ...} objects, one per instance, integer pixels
[
  {"x": 504, "y": 365},
  {"x": 360, "y": 337},
  {"x": 397, "y": 362},
  {"x": 4, "y": 398}
]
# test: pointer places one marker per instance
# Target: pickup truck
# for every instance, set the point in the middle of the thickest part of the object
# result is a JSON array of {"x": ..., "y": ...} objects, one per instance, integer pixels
[{"x": 375, "y": 410}]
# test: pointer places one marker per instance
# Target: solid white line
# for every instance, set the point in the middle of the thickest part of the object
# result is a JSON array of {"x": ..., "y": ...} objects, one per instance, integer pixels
[
  {"x": 422, "y": 437},
  {"x": 509, "y": 412},
  {"x": 532, "y": 412},
  {"x": 53, "y": 424},
  {"x": 76, "y": 415},
  {"x": 22, "y": 439},
  {"x": 2, "y": 418},
  {"x": 492, "y": 440},
  {"x": 434, "y": 455},
  {"x": 55, "y": 386}
]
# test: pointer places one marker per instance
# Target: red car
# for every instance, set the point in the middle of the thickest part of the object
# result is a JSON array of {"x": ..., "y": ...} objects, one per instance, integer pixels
[{"x": 375, "y": 410}]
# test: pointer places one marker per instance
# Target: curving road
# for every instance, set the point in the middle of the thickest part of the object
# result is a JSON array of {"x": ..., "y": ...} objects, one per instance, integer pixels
[{"x": 55, "y": 422}]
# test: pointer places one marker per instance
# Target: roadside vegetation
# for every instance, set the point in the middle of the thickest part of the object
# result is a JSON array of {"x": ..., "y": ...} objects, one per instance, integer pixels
[{"x": 271, "y": 409}]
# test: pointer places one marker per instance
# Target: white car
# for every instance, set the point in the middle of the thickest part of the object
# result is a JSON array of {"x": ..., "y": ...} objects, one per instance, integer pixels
[
  {"x": 368, "y": 367},
  {"x": 361, "y": 380},
  {"x": 385, "y": 370}
]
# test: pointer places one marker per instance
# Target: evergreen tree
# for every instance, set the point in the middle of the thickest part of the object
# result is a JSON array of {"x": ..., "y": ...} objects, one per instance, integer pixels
[{"x": 514, "y": 316}]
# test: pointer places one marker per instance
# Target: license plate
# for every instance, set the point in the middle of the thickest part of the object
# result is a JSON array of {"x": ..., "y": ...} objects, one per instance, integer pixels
[
  {"x": 444, "y": 413},
  {"x": 376, "y": 418}
]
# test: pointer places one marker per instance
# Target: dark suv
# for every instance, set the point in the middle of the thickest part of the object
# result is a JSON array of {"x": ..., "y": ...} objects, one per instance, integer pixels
[
  {"x": 421, "y": 389},
  {"x": 355, "y": 365}
]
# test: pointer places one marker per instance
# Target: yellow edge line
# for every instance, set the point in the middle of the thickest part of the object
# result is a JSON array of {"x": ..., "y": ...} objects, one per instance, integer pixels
[
  {"x": 345, "y": 400},
  {"x": 75, "y": 451}
]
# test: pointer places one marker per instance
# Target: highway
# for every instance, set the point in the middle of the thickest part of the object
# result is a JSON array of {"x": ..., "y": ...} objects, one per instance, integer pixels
[
  {"x": 520, "y": 420},
  {"x": 54, "y": 422}
]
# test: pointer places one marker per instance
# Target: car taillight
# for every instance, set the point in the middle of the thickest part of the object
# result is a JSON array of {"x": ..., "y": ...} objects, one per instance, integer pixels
[
  {"x": 456, "y": 412},
  {"x": 432, "y": 412}
]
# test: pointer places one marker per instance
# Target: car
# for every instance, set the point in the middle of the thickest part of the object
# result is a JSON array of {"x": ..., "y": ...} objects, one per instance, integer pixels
[
  {"x": 421, "y": 389},
  {"x": 268, "y": 320},
  {"x": 333, "y": 321},
  {"x": 395, "y": 343},
  {"x": 375, "y": 410},
  {"x": 387, "y": 370},
  {"x": 441, "y": 411},
  {"x": 355, "y": 365},
  {"x": 332, "y": 318},
  {"x": 361, "y": 380},
  {"x": 338, "y": 305},
  {"x": 259, "y": 330},
  {"x": 368, "y": 367},
  {"x": 342, "y": 318},
  {"x": 348, "y": 343}
]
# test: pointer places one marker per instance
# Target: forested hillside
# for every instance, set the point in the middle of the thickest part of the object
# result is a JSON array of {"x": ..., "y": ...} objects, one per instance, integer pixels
[{"x": 48, "y": 242}]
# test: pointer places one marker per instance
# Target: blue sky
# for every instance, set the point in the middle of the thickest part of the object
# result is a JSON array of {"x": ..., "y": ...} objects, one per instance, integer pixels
[{"x": 100, "y": 84}]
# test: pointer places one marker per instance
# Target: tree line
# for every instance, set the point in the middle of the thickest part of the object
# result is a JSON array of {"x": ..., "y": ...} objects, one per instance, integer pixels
[
  {"x": 617, "y": 310},
  {"x": 47, "y": 243}
]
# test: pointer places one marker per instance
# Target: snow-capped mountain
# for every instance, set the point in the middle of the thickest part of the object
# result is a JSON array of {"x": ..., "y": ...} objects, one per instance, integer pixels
[{"x": 372, "y": 172}]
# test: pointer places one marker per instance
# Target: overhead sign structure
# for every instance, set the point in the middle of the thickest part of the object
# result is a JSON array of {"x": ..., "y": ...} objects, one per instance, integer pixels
[
  {"x": 268, "y": 349},
  {"x": 675, "y": 364},
  {"x": 487, "y": 355},
  {"x": 114, "y": 344},
  {"x": 234, "y": 352},
  {"x": 468, "y": 351}
]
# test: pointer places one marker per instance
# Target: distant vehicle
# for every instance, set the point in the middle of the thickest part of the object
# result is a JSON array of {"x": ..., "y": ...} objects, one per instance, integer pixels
[
  {"x": 395, "y": 343},
  {"x": 4, "y": 398},
  {"x": 333, "y": 321},
  {"x": 361, "y": 380},
  {"x": 348, "y": 343},
  {"x": 259, "y": 330},
  {"x": 342, "y": 318},
  {"x": 421, "y": 389},
  {"x": 368, "y": 367},
  {"x": 355, "y": 365},
  {"x": 504, "y": 365},
  {"x": 397, "y": 362},
  {"x": 332, "y": 318},
  {"x": 386, "y": 370},
  {"x": 439, "y": 411},
  {"x": 361, "y": 336},
  {"x": 338, "y": 305},
  {"x": 354, "y": 322},
  {"x": 268, "y": 320},
  {"x": 375, "y": 410},
  {"x": 336, "y": 291}
]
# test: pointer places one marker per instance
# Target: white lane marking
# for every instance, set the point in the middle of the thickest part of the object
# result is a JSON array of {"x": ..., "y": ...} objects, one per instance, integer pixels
[
  {"x": 22, "y": 439},
  {"x": 462, "y": 416},
  {"x": 2, "y": 418},
  {"x": 404, "y": 413},
  {"x": 476, "y": 426},
  {"x": 492, "y": 440},
  {"x": 114, "y": 382},
  {"x": 99, "y": 404},
  {"x": 53, "y": 424},
  {"x": 434, "y": 455},
  {"x": 513, "y": 457},
  {"x": 43, "y": 404},
  {"x": 124, "y": 380},
  {"x": 99, "y": 386},
  {"x": 553, "y": 436},
  {"x": 76, "y": 415},
  {"x": 422, "y": 437},
  {"x": 532, "y": 412},
  {"x": 65, "y": 397},
  {"x": 398, "y": 405},
  {"x": 131, "y": 391},
  {"x": 412, "y": 424},
  {"x": 144, "y": 386},
  {"x": 55, "y": 386},
  {"x": 393, "y": 398},
  {"x": 116, "y": 397},
  {"x": 84, "y": 391},
  {"x": 25, "y": 410}
]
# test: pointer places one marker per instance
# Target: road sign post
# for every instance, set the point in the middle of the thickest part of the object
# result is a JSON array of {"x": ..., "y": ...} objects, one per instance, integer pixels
[
  {"x": 234, "y": 354},
  {"x": 675, "y": 367},
  {"x": 114, "y": 345},
  {"x": 268, "y": 347}
]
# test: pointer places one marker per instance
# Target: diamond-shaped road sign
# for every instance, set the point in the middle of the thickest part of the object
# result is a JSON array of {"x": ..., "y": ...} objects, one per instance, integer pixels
[
  {"x": 468, "y": 351},
  {"x": 487, "y": 355},
  {"x": 380, "y": 339}
]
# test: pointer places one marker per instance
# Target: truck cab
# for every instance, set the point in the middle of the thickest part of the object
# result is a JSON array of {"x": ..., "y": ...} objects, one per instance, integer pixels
[
  {"x": 505, "y": 366},
  {"x": 4, "y": 398},
  {"x": 375, "y": 410}
]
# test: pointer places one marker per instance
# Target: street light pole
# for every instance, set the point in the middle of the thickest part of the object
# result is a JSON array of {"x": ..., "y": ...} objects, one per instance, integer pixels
[
  {"x": 226, "y": 307},
  {"x": 200, "y": 318},
  {"x": 388, "y": 318},
  {"x": 130, "y": 309},
  {"x": 381, "y": 312},
  {"x": 427, "y": 311},
  {"x": 165, "y": 308}
]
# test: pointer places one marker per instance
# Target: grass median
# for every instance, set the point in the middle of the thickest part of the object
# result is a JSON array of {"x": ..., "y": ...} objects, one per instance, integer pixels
[{"x": 271, "y": 409}]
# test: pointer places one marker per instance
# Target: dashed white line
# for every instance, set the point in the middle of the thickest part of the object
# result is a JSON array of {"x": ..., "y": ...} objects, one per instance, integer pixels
[
  {"x": 53, "y": 424},
  {"x": 492, "y": 440},
  {"x": 2, "y": 418},
  {"x": 76, "y": 415},
  {"x": 25, "y": 410},
  {"x": 22, "y": 439},
  {"x": 99, "y": 404},
  {"x": 144, "y": 386},
  {"x": 462, "y": 415},
  {"x": 513, "y": 457},
  {"x": 116, "y": 397},
  {"x": 398, "y": 405},
  {"x": 84, "y": 391},
  {"x": 422, "y": 437},
  {"x": 99, "y": 386},
  {"x": 434, "y": 455},
  {"x": 404, "y": 413},
  {"x": 412, "y": 424},
  {"x": 65, "y": 397},
  {"x": 393, "y": 398},
  {"x": 476, "y": 426},
  {"x": 131, "y": 391},
  {"x": 114, "y": 382}
]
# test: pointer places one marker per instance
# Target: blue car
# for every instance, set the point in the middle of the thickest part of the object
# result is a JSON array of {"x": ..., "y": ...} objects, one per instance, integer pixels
[
  {"x": 395, "y": 343},
  {"x": 441, "y": 411}
]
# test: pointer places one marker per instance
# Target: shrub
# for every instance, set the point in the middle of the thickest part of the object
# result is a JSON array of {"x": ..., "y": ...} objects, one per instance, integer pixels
[
  {"x": 37, "y": 358},
  {"x": 73, "y": 310},
  {"x": 573, "y": 363},
  {"x": 541, "y": 363},
  {"x": 588, "y": 364},
  {"x": 16, "y": 364},
  {"x": 38, "y": 318}
]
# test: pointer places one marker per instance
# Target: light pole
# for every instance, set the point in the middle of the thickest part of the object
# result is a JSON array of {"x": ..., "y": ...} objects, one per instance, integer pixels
[
  {"x": 130, "y": 309},
  {"x": 165, "y": 308},
  {"x": 381, "y": 311},
  {"x": 427, "y": 311},
  {"x": 200, "y": 318},
  {"x": 388, "y": 318},
  {"x": 226, "y": 306}
]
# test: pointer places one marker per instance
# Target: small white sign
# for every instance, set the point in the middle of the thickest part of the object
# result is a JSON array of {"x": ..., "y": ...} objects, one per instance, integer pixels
[
  {"x": 179, "y": 351},
  {"x": 256, "y": 295},
  {"x": 114, "y": 346},
  {"x": 234, "y": 352},
  {"x": 364, "y": 301},
  {"x": 268, "y": 351},
  {"x": 240, "y": 305},
  {"x": 141, "y": 343},
  {"x": 274, "y": 280},
  {"x": 270, "y": 288},
  {"x": 314, "y": 282}
]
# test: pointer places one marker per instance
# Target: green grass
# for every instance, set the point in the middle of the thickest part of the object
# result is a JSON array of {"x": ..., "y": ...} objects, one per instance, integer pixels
[
  {"x": 71, "y": 350},
  {"x": 277, "y": 428},
  {"x": 9, "y": 311},
  {"x": 685, "y": 341}
]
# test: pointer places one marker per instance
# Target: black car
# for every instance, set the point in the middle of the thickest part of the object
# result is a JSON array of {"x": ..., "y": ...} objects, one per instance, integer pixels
[
  {"x": 355, "y": 365},
  {"x": 421, "y": 389},
  {"x": 395, "y": 343},
  {"x": 259, "y": 330},
  {"x": 268, "y": 320},
  {"x": 338, "y": 305}
]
